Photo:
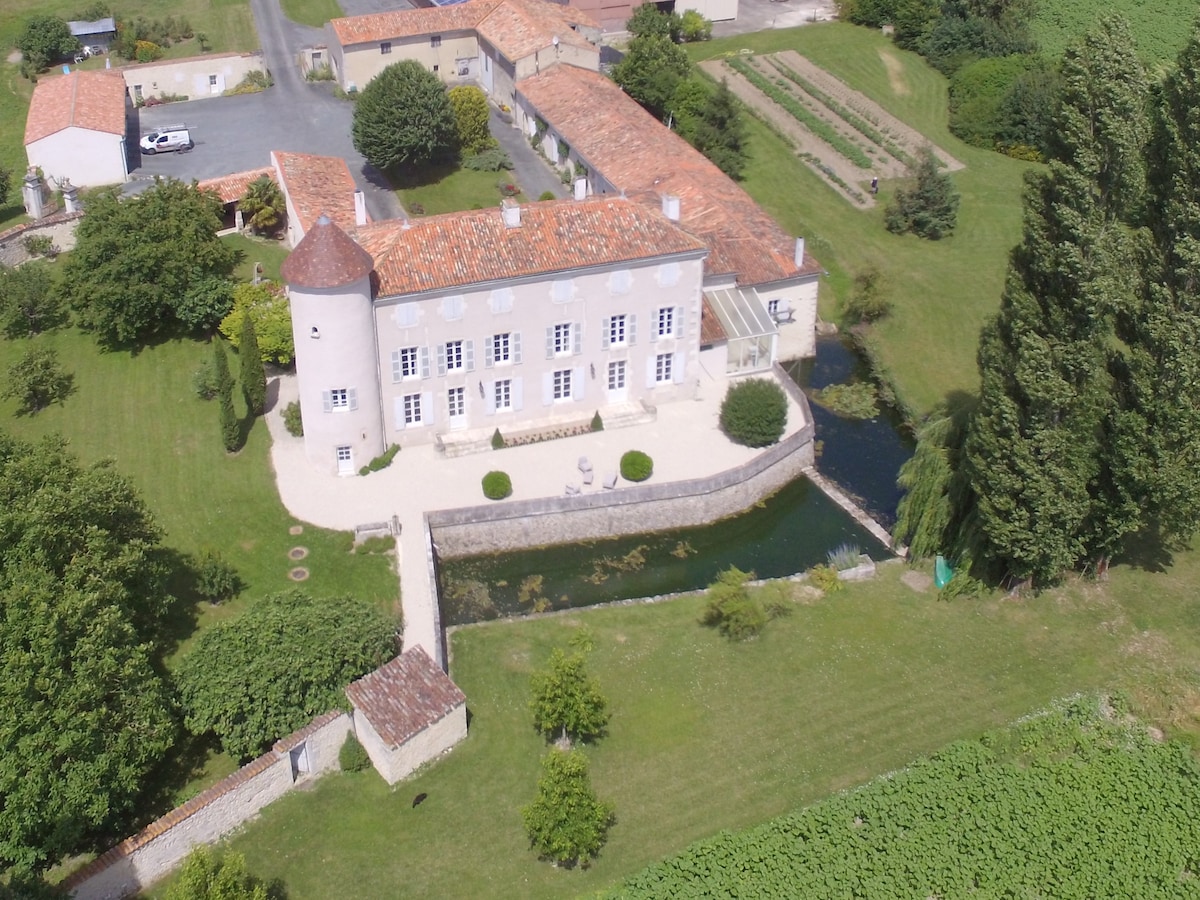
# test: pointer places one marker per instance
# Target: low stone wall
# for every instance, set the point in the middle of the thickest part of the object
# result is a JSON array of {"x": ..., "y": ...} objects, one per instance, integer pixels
[
  {"x": 59, "y": 227},
  {"x": 162, "y": 845},
  {"x": 629, "y": 510}
]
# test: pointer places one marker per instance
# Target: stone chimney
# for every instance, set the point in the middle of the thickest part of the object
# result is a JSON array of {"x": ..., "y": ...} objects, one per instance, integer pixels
[
  {"x": 670, "y": 206},
  {"x": 360, "y": 209},
  {"x": 799, "y": 252},
  {"x": 580, "y": 187},
  {"x": 510, "y": 211}
]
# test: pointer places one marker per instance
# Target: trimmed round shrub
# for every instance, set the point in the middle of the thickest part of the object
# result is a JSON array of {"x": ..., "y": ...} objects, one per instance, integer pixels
[
  {"x": 754, "y": 412},
  {"x": 636, "y": 466},
  {"x": 353, "y": 756},
  {"x": 497, "y": 485}
]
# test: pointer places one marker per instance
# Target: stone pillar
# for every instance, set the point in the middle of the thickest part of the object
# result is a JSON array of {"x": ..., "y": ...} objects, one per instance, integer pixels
[
  {"x": 32, "y": 189},
  {"x": 70, "y": 197}
]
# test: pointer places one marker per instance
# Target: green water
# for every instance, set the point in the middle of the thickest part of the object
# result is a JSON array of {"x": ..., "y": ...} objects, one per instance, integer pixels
[{"x": 787, "y": 533}]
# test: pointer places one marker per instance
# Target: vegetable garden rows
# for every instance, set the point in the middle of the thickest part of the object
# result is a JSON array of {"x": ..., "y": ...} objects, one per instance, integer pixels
[{"x": 845, "y": 137}]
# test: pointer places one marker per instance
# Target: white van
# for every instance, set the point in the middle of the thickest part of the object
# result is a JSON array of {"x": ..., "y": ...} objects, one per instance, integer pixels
[{"x": 170, "y": 137}]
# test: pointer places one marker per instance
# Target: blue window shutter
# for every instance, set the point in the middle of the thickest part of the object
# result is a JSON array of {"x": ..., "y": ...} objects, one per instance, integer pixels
[
  {"x": 469, "y": 355},
  {"x": 423, "y": 355},
  {"x": 631, "y": 329},
  {"x": 576, "y": 338},
  {"x": 514, "y": 347},
  {"x": 605, "y": 330},
  {"x": 550, "y": 342},
  {"x": 441, "y": 359},
  {"x": 489, "y": 352},
  {"x": 352, "y": 397}
]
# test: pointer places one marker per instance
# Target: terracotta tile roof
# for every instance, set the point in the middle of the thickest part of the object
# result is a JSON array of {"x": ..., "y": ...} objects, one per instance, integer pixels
[
  {"x": 92, "y": 100},
  {"x": 401, "y": 23},
  {"x": 404, "y": 697},
  {"x": 326, "y": 257},
  {"x": 233, "y": 187},
  {"x": 208, "y": 57},
  {"x": 642, "y": 158},
  {"x": 516, "y": 28},
  {"x": 460, "y": 249},
  {"x": 711, "y": 329},
  {"x": 317, "y": 185}
]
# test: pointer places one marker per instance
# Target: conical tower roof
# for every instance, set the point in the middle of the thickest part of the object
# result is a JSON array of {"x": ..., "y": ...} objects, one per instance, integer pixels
[{"x": 327, "y": 257}]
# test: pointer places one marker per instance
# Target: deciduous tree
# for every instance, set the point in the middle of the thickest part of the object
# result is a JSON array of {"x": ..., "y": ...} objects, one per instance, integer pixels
[
  {"x": 649, "y": 19},
  {"x": 6, "y": 183},
  {"x": 148, "y": 264},
  {"x": 259, "y": 677},
  {"x": 565, "y": 700},
  {"x": 29, "y": 303},
  {"x": 929, "y": 209},
  {"x": 46, "y": 39},
  {"x": 471, "y": 118},
  {"x": 566, "y": 822},
  {"x": 651, "y": 71},
  {"x": 721, "y": 131},
  {"x": 36, "y": 380},
  {"x": 84, "y": 714},
  {"x": 268, "y": 306},
  {"x": 204, "y": 877},
  {"x": 403, "y": 117}
]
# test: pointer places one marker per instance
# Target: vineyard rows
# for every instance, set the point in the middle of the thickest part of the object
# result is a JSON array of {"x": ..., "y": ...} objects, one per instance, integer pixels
[{"x": 1075, "y": 802}]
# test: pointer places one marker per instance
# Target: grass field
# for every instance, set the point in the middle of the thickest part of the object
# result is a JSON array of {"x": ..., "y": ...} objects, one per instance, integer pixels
[
  {"x": 1160, "y": 29},
  {"x": 708, "y": 735},
  {"x": 314, "y": 13},
  {"x": 942, "y": 291},
  {"x": 227, "y": 23},
  {"x": 449, "y": 188},
  {"x": 251, "y": 250}
]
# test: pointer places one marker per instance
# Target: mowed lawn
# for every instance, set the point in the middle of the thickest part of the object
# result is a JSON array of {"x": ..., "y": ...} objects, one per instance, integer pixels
[
  {"x": 140, "y": 411},
  {"x": 942, "y": 291},
  {"x": 449, "y": 188},
  {"x": 707, "y": 735}
]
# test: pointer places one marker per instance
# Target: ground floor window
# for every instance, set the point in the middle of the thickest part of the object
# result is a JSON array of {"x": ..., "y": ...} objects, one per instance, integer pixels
[
  {"x": 662, "y": 368},
  {"x": 457, "y": 402},
  {"x": 412, "y": 409},
  {"x": 616, "y": 375},
  {"x": 562, "y": 384},
  {"x": 503, "y": 394}
]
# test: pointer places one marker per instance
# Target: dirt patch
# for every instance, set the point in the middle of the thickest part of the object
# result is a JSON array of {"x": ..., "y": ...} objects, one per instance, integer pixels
[
  {"x": 14, "y": 57},
  {"x": 916, "y": 581},
  {"x": 895, "y": 72},
  {"x": 298, "y": 574},
  {"x": 296, "y": 529},
  {"x": 298, "y": 553}
]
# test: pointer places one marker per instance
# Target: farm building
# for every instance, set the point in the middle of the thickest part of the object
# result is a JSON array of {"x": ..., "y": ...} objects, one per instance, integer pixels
[
  {"x": 406, "y": 713},
  {"x": 76, "y": 128}
]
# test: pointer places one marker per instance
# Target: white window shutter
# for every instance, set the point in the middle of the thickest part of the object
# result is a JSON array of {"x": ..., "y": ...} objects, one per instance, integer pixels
[
  {"x": 631, "y": 329},
  {"x": 654, "y": 326},
  {"x": 427, "y": 416},
  {"x": 577, "y": 383},
  {"x": 518, "y": 396},
  {"x": 469, "y": 355},
  {"x": 514, "y": 347},
  {"x": 489, "y": 352},
  {"x": 396, "y": 365},
  {"x": 327, "y": 401},
  {"x": 651, "y": 362},
  {"x": 576, "y": 338},
  {"x": 605, "y": 330},
  {"x": 677, "y": 367},
  {"x": 398, "y": 408},
  {"x": 550, "y": 342},
  {"x": 441, "y": 359},
  {"x": 677, "y": 321},
  {"x": 423, "y": 354},
  {"x": 547, "y": 388},
  {"x": 489, "y": 398},
  {"x": 352, "y": 397}
]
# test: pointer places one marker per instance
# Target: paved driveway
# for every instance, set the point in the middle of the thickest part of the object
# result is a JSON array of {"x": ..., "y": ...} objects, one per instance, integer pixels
[{"x": 235, "y": 134}]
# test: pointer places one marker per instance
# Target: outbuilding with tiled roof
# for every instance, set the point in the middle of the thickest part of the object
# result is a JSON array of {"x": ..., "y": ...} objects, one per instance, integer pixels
[
  {"x": 407, "y": 712},
  {"x": 76, "y": 128}
]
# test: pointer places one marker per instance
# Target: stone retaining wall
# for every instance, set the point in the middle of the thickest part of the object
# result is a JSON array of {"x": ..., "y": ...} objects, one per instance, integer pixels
[
  {"x": 523, "y": 524},
  {"x": 162, "y": 845},
  {"x": 59, "y": 227}
]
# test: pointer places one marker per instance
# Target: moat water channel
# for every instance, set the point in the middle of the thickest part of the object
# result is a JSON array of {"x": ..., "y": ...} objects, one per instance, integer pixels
[{"x": 787, "y": 533}]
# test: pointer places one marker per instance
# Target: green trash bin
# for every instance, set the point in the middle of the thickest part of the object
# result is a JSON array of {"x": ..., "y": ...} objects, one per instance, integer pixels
[{"x": 942, "y": 573}]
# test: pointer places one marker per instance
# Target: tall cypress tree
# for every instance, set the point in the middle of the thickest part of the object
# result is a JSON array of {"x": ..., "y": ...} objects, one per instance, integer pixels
[
  {"x": 1035, "y": 453},
  {"x": 254, "y": 377},
  {"x": 231, "y": 430},
  {"x": 1157, "y": 430}
]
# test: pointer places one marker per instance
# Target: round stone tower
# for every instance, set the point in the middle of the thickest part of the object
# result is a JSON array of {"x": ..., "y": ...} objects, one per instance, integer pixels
[{"x": 333, "y": 322}]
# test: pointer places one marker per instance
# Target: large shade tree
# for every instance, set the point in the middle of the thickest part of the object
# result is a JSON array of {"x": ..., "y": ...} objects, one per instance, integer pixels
[
  {"x": 149, "y": 264},
  {"x": 84, "y": 712},
  {"x": 404, "y": 118}
]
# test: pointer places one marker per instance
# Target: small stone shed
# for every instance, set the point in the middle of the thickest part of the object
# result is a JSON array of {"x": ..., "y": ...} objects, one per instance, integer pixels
[{"x": 406, "y": 713}]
